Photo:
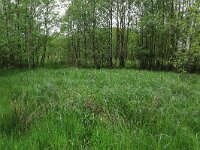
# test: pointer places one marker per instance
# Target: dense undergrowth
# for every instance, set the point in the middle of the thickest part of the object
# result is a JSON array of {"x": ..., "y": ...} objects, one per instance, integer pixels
[{"x": 99, "y": 109}]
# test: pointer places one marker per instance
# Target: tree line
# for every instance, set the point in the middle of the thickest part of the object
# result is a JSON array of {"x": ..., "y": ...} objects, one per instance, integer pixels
[
  {"x": 149, "y": 34},
  {"x": 25, "y": 27}
]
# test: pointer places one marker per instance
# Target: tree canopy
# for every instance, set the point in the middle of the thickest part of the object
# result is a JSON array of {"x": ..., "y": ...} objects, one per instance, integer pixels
[{"x": 149, "y": 34}]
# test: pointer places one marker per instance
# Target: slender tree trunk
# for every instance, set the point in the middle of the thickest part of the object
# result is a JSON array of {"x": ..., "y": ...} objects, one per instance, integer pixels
[
  {"x": 117, "y": 35},
  {"x": 111, "y": 35},
  {"x": 46, "y": 34},
  {"x": 122, "y": 37}
]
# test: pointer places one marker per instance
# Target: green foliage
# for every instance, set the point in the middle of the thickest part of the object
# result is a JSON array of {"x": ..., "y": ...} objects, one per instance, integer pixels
[
  {"x": 98, "y": 109},
  {"x": 154, "y": 34},
  {"x": 24, "y": 27},
  {"x": 188, "y": 61}
]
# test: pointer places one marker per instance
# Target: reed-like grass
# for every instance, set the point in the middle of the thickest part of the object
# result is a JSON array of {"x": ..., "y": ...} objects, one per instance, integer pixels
[{"x": 99, "y": 109}]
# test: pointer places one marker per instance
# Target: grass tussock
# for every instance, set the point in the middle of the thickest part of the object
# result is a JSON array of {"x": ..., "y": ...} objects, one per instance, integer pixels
[{"x": 99, "y": 109}]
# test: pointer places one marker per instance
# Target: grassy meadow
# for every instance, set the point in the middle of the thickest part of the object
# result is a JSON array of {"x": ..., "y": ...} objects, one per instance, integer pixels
[{"x": 120, "y": 109}]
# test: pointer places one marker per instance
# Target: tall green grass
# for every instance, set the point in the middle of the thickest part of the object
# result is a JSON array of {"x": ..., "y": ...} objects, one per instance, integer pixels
[{"x": 99, "y": 109}]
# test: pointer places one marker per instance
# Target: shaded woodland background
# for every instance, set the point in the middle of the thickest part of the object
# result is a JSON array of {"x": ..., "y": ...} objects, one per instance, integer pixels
[{"x": 147, "y": 34}]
